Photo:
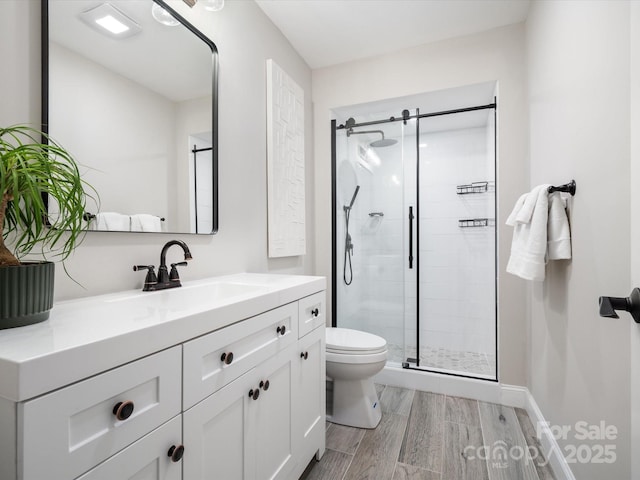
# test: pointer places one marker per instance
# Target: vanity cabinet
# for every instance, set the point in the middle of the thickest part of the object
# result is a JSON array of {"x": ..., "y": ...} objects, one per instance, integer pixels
[
  {"x": 273, "y": 414},
  {"x": 242, "y": 400}
]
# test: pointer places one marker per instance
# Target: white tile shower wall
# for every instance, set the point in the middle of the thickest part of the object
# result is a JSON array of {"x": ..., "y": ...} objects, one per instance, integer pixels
[{"x": 457, "y": 265}]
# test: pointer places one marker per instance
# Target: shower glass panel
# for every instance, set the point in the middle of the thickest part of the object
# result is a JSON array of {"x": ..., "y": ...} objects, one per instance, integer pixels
[
  {"x": 457, "y": 244},
  {"x": 415, "y": 232},
  {"x": 371, "y": 229}
]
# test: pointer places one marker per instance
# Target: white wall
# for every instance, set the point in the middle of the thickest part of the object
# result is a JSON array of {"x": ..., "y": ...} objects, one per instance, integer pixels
[
  {"x": 578, "y": 74},
  {"x": 490, "y": 56},
  {"x": 140, "y": 159},
  {"x": 245, "y": 39},
  {"x": 635, "y": 230}
]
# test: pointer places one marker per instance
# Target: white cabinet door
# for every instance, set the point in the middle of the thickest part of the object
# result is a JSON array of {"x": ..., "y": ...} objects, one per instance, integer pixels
[
  {"x": 216, "y": 434},
  {"x": 309, "y": 396},
  {"x": 147, "y": 459},
  {"x": 237, "y": 433},
  {"x": 270, "y": 419}
]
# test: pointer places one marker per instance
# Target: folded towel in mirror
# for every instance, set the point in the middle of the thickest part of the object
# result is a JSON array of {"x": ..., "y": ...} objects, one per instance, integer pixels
[
  {"x": 143, "y": 222},
  {"x": 113, "y": 222}
]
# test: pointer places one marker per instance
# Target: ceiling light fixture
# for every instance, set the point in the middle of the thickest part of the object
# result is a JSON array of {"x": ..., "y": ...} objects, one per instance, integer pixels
[
  {"x": 209, "y": 5},
  {"x": 107, "y": 19},
  {"x": 162, "y": 16},
  {"x": 213, "y": 5}
]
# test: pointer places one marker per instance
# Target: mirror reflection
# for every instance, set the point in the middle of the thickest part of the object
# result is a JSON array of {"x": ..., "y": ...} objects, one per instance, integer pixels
[{"x": 132, "y": 95}]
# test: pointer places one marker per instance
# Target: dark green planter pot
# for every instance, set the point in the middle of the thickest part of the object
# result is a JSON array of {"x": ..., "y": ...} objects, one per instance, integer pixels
[{"x": 26, "y": 293}]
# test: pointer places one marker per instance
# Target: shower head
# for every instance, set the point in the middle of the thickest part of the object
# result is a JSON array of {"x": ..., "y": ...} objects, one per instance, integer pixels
[
  {"x": 355, "y": 194},
  {"x": 383, "y": 142}
]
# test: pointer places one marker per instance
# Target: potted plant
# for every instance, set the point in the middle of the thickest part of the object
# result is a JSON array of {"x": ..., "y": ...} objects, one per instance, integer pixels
[{"x": 34, "y": 171}]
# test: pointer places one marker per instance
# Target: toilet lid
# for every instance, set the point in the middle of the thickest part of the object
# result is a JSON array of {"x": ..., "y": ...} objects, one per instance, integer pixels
[{"x": 353, "y": 341}]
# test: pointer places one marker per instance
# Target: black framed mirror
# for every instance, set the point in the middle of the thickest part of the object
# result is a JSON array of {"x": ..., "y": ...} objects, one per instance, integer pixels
[{"x": 129, "y": 87}]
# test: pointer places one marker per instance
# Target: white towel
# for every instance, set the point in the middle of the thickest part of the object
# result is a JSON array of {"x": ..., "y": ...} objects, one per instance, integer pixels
[
  {"x": 558, "y": 231},
  {"x": 113, "y": 222},
  {"x": 529, "y": 244},
  {"x": 143, "y": 222}
]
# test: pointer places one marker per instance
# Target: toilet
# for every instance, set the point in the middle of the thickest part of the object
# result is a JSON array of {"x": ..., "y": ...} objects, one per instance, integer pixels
[{"x": 353, "y": 358}]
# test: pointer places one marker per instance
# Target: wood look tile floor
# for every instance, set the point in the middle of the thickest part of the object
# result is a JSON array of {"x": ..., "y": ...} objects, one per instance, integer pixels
[{"x": 427, "y": 436}]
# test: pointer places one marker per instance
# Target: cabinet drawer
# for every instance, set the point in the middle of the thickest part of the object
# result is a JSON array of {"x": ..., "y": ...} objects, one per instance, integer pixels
[
  {"x": 69, "y": 431},
  {"x": 207, "y": 362},
  {"x": 146, "y": 459},
  {"x": 311, "y": 313}
]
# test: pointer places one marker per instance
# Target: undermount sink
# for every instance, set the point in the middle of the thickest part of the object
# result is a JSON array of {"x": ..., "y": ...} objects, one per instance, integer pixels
[{"x": 208, "y": 292}]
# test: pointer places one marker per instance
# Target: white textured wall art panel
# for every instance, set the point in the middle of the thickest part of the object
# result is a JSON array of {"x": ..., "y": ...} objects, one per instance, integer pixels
[{"x": 285, "y": 163}]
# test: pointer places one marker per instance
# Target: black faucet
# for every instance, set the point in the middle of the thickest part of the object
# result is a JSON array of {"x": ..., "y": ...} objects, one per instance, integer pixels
[{"x": 164, "y": 279}]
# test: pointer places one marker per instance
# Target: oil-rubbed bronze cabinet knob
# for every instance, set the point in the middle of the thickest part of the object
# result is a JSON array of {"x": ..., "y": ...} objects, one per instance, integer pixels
[
  {"x": 264, "y": 385},
  {"x": 123, "y": 410},
  {"x": 304, "y": 355},
  {"x": 227, "y": 358},
  {"x": 281, "y": 329},
  {"x": 254, "y": 393},
  {"x": 315, "y": 312},
  {"x": 176, "y": 453}
]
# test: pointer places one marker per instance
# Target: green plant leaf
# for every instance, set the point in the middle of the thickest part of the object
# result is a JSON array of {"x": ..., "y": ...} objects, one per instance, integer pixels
[{"x": 34, "y": 171}]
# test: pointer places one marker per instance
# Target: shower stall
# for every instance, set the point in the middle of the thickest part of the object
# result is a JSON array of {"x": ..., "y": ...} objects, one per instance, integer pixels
[{"x": 414, "y": 233}]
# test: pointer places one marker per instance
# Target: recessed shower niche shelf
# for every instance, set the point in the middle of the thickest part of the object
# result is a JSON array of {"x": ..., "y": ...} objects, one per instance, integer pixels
[
  {"x": 476, "y": 222},
  {"x": 474, "y": 187}
]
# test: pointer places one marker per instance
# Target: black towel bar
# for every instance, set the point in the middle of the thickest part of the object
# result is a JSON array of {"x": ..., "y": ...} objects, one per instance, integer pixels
[{"x": 567, "y": 187}]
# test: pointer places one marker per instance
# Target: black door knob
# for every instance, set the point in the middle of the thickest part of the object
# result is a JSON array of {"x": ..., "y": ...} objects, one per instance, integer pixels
[
  {"x": 281, "y": 329},
  {"x": 176, "y": 453},
  {"x": 264, "y": 385},
  {"x": 631, "y": 304},
  {"x": 315, "y": 312},
  {"x": 227, "y": 358},
  {"x": 254, "y": 393},
  {"x": 123, "y": 410},
  {"x": 304, "y": 355}
]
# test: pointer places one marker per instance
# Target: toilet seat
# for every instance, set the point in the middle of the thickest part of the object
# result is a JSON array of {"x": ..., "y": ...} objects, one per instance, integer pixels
[
  {"x": 356, "y": 359},
  {"x": 345, "y": 341}
]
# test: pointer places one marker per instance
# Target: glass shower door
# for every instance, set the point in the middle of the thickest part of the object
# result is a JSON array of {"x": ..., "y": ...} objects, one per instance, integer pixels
[
  {"x": 457, "y": 244},
  {"x": 372, "y": 242}
]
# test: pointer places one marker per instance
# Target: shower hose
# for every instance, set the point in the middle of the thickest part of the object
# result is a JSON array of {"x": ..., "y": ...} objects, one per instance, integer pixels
[{"x": 348, "y": 250}]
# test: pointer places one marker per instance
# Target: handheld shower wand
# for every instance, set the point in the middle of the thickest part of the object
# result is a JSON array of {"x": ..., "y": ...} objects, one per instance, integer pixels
[
  {"x": 348, "y": 245},
  {"x": 355, "y": 194}
]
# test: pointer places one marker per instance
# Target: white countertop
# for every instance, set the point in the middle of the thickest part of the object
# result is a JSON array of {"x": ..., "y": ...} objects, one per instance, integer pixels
[{"x": 90, "y": 335}]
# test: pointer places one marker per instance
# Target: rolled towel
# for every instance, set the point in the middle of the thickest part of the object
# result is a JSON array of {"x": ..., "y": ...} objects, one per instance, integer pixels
[
  {"x": 143, "y": 222},
  {"x": 529, "y": 244},
  {"x": 113, "y": 222},
  {"x": 558, "y": 230},
  {"x": 526, "y": 204}
]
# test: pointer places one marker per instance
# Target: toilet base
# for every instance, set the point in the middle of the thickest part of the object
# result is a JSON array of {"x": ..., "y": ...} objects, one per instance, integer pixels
[{"x": 355, "y": 403}]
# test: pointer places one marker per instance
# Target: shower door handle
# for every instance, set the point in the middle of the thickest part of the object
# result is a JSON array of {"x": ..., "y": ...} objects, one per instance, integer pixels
[{"x": 411, "y": 237}]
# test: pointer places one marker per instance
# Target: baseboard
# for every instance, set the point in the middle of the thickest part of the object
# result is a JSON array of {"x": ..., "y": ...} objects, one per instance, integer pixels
[
  {"x": 548, "y": 441},
  {"x": 437, "y": 383},
  {"x": 485, "y": 391}
]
